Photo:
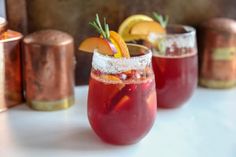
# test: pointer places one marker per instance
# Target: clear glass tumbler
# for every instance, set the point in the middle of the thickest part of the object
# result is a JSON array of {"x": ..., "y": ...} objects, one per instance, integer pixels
[
  {"x": 122, "y": 97},
  {"x": 175, "y": 65}
]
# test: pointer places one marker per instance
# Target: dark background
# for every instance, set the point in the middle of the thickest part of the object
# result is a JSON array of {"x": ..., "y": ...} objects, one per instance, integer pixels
[{"x": 72, "y": 16}]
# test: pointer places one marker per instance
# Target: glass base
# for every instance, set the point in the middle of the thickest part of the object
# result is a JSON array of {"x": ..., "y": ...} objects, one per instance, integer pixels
[{"x": 51, "y": 105}]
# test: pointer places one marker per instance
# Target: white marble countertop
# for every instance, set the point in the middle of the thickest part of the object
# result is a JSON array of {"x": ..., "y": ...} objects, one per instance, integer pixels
[{"x": 204, "y": 127}]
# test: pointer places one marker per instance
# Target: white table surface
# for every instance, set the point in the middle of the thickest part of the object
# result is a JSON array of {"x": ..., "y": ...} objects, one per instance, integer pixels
[{"x": 204, "y": 127}]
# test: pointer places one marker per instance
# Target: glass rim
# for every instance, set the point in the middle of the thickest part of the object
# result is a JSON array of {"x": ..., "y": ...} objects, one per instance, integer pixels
[
  {"x": 124, "y": 58},
  {"x": 109, "y": 64},
  {"x": 189, "y": 31},
  {"x": 182, "y": 36}
]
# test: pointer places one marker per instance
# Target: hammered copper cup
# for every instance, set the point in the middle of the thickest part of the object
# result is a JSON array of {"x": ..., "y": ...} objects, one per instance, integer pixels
[{"x": 49, "y": 70}]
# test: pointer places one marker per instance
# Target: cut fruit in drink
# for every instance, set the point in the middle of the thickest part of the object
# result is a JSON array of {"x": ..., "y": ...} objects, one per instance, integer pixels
[
  {"x": 151, "y": 99},
  {"x": 112, "y": 78},
  {"x": 147, "y": 27},
  {"x": 122, "y": 103},
  {"x": 105, "y": 94},
  {"x": 117, "y": 99},
  {"x": 95, "y": 43},
  {"x": 133, "y": 74},
  {"x": 128, "y": 23},
  {"x": 122, "y": 49},
  {"x": 113, "y": 91}
]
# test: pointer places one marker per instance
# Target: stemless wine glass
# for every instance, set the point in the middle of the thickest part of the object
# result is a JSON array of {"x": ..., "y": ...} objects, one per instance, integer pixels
[
  {"x": 122, "y": 96},
  {"x": 175, "y": 65}
]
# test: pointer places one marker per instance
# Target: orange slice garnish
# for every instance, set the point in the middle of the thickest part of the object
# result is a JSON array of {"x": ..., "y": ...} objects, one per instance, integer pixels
[
  {"x": 128, "y": 23},
  {"x": 100, "y": 44},
  {"x": 147, "y": 27},
  {"x": 122, "y": 49}
]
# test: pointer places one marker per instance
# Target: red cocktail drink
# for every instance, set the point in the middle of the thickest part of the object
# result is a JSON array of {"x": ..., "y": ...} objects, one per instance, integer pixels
[
  {"x": 175, "y": 67},
  {"x": 122, "y": 97},
  {"x": 176, "y": 79}
]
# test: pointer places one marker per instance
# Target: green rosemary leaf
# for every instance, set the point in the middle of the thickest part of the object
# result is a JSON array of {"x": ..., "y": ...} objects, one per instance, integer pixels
[
  {"x": 100, "y": 26},
  {"x": 165, "y": 22},
  {"x": 106, "y": 29},
  {"x": 161, "y": 41},
  {"x": 97, "y": 25},
  {"x": 97, "y": 20},
  {"x": 159, "y": 18},
  {"x": 161, "y": 46}
]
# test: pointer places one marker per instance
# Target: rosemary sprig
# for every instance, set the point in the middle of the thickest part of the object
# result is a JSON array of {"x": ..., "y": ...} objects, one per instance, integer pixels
[
  {"x": 97, "y": 25},
  {"x": 161, "y": 19},
  {"x": 161, "y": 46},
  {"x": 107, "y": 32}
]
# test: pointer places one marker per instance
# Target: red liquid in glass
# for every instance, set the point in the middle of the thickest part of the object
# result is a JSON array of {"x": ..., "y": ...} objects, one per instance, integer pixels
[
  {"x": 176, "y": 79},
  {"x": 121, "y": 112}
]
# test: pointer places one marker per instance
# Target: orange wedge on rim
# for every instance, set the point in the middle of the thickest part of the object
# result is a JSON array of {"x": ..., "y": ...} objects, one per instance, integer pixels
[
  {"x": 116, "y": 47},
  {"x": 96, "y": 43},
  {"x": 128, "y": 23},
  {"x": 147, "y": 27},
  {"x": 122, "y": 49}
]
